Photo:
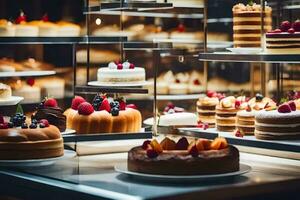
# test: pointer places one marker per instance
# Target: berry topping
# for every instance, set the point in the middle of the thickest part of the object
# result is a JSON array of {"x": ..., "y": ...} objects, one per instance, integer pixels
[
  {"x": 181, "y": 28},
  {"x": 284, "y": 108},
  {"x": 24, "y": 126},
  {"x": 238, "y": 133},
  {"x": 85, "y": 108},
  {"x": 131, "y": 66},
  {"x": 296, "y": 25},
  {"x": 285, "y": 26},
  {"x": 259, "y": 97},
  {"x": 98, "y": 101},
  {"x": 151, "y": 153},
  {"x": 193, "y": 151},
  {"x": 22, "y": 18},
  {"x": 211, "y": 93},
  {"x": 196, "y": 82},
  {"x": 122, "y": 104},
  {"x": 30, "y": 81},
  {"x": 45, "y": 122},
  {"x": 277, "y": 31},
  {"x": 145, "y": 144},
  {"x": 291, "y": 30},
  {"x": 119, "y": 66},
  {"x": 45, "y": 18},
  {"x": 182, "y": 144},
  {"x": 42, "y": 125},
  {"x": 156, "y": 146},
  {"x": 203, "y": 125},
  {"x": 177, "y": 81},
  {"x": 18, "y": 119},
  {"x": 237, "y": 104},
  {"x": 51, "y": 102},
  {"x": 1, "y": 119},
  {"x": 115, "y": 104},
  {"x": 133, "y": 106},
  {"x": 4, "y": 125},
  {"x": 33, "y": 126},
  {"x": 115, "y": 111},
  {"x": 112, "y": 65},
  {"x": 105, "y": 105},
  {"x": 76, "y": 102},
  {"x": 292, "y": 105},
  {"x": 126, "y": 65}
]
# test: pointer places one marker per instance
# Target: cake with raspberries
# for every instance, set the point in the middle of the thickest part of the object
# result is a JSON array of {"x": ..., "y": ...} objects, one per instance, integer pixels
[
  {"x": 283, "y": 123},
  {"x": 121, "y": 73},
  {"x": 285, "y": 40},
  {"x": 103, "y": 116},
  {"x": 21, "y": 140},
  {"x": 199, "y": 157}
]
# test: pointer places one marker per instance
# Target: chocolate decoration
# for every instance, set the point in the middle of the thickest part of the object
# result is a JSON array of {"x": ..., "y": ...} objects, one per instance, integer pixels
[{"x": 54, "y": 115}]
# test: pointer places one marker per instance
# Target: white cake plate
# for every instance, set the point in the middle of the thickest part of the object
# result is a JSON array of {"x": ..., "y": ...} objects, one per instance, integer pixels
[
  {"x": 36, "y": 162},
  {"x": 13, "y": 100},
  {"x": 101, "y": 84},
  {"x": 122, "y": 168},
  {"x": 26, "y": 74},
  {"x": 242, "y": 50},
  {"x": 68, "y": 131}
]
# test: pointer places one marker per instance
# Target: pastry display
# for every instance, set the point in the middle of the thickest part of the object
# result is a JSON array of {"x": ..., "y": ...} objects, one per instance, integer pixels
[
  {"x": 117, "y": 73},
  {"x": 247, "y": 24},
  {"x": 198, "y": 157},
  {"x": 26, "y": 89},
  {"x": 280, "y": 124},
  {"x": 48, "y": 109},
  {"x": 5, "y": 91},
  {"x": 20, "y": 140},
  {"x": 285, "y": 40},
  {"x": 103, "y": 116},
  {"x": 206, "y": 108},
  {"x": 7, "y": 29}
]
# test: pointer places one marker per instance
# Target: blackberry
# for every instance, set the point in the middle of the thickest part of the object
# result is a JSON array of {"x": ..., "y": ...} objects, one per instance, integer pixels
[
  {"x": 114, "y": 111},
  {"x": 34, "y": 121},
  {"x": 115, "y": 104},
  {"x": 33, "y": 126},
  {"x": 24, "y": 126}
]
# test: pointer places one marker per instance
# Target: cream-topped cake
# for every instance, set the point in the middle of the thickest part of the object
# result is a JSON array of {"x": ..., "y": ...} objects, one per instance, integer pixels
[
  {"x": 121, "y": 73},
  {"x": 68, "y": 29},
  {"x": 5, "y": 91},
  {"x": 178, "y": 119},
  {"x": 247, "y": 24},
  {"x": 283, "y": 123},
  {"x": 46, "y": 29},
  {"x": 25, "y": 29}
]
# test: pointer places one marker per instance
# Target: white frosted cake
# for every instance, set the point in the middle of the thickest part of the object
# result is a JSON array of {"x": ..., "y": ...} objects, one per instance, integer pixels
[
  {"x": 7, "y": 29},
  {"x": 178, "y": 119},
  {"x": 5, "y": 91},
  {"x": 121, "y": 73}
]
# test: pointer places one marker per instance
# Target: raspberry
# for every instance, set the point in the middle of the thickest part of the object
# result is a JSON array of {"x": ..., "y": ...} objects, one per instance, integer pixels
[
  {"x": 45, "y": 18},
  {"x": 105, "y": 105},
  {"x": 122, "y": 105},
  {"x": 30, "y": 81},
  {"x": 119, "y": 66},
  {"x": 237, "y": 104},
  {"x": 22, "y": 18},
  {"x": 211, "y": 93},
  {"x": 45, "y": 122},
  {"x": 85, "y": 108},
  {"x": 77, "y": 101},
  {"x": 196, "y": 82},
  {"x": 50, "y": 103},
  {"x": 296, "y": 25},
  {"x": 285, "y": 26},
  {"x": 131, "y": 66},
  {"x": 291, "y": 30}
]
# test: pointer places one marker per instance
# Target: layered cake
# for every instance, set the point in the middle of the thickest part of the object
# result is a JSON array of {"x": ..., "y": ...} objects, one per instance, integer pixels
[
  {"x": 184, "y": 158},
  {"x": 103, "y": 116},
  {"x": 245, "y": 122},
  {"x": 226, "y": 114},
  {"x": 206, "y": 109},
  {"x": 5, "y": 91},
  {"x": 7, "y": 29},
  {"x": 280, "y": 124},
  {"x": 37, "y": 140},
  {"x": 117, "y": 73},
  {"x": 247, "y": 24},
  {"x": 285, "y": 40},
  {"x": 48, "y": 109}
]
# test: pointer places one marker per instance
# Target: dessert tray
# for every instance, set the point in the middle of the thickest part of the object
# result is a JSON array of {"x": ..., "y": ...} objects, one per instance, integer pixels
[
  {"x": 245, "y": 50},
  {"x": 13, "y": 100},
  {"x": 35, "y": 162},
  {"x": 101, "y": 84},
  {"x": 26, "y": 73},
  {"x": 122, "y": 168}
]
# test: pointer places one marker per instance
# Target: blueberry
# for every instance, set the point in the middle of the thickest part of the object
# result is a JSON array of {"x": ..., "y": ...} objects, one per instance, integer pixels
[
  {"x": 10, "y": 125},
  {"x": 42, "y": 125},
  {"x": 40, "y": 106},
  {"x": 34, "y": 121},
  {"x": 24, "y": 126},
  {"x": 114, "y": 111},
  {"x": 259, "y": 97},
  {"x": 33, "y": 126}
]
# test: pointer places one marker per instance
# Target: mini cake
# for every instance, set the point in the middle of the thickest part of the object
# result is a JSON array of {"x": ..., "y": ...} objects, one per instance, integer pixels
[
  {"x": 247, "y": 24},
  {"x": 183, "y": 158},
  {"x": 48, "y": 109},
  {"x": 117, "y": 73},
  {"x": 246, "y": 121},
  {"x": 30, "y": 92},
  {"x": 178, "y": 119},
  {"x": 226, "y": 114},
  {"x": 19, "y": 141},
  {"x": 280, "y": 124},
  {"x": 5, "y": 91},
  {"x": 206, "y": 109},
  {"x": 285, "y": 40},
  {"x": 54, "y": 87},
  {"x": 103, "y": 116},
  {"x": 68, "y": 29},
  {"x": 46, "y": 28},
  {"x": 24, "y": 29},
  {"x": 259, "y": 102},
  {"x": 7, "y": 29}
]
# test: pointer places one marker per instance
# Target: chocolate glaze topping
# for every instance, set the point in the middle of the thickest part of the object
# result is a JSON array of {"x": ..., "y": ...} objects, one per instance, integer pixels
[{"x": 54, "y": 115}]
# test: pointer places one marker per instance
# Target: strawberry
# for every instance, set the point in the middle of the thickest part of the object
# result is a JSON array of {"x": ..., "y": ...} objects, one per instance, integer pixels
[
  {"x": 291, "y": 30},
  {"x": 133, "y": 106},
  {"x": 105, "y": 105},
  {"x": 131, "y": 66},
  {"x": 284, "y": 108},
  {"x": 285, "y": 26},
  {"x": 145, "y": 144},
  {"x": 177, "y": 81},
  {"x": 45, "y": 18},
  {"x": 292, "y": 105},
  {"x": 196, "y": 82},
  {"x": 51, "y": 102},
  {"x": 85, "y": 108},
  {"x": 237, "y": 104},
  {"x": 296, "y": 25},
  {"x": 122, "y": 104},
  {"x": 119, "y": 66},
  {"x": 30, "y": 81},
  {"x": 22, "y": 18},
  {"x": 77, "y": 101},
  {"x": 45, "y": 122},
  {"x": 211, "y": 93}
]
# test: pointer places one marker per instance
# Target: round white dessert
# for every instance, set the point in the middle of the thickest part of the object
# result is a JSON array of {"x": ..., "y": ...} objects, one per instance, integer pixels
[
  {"x": 107, "y": 75},
  {"x": 178, "y": 119}
]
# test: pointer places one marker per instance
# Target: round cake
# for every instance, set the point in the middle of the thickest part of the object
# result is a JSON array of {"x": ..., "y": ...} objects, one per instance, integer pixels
[
  {"x": 5, "y": 91},
  {"x": 246, "y": 122},
  {"x": 103, "y": 116},
  {"x": 178, "y": 119},
  {"x": 283, "y": 123},
  {"x": 226, "y": 114},
  {"x": 206, "y": 108},
  {"x": 183, "y": 158},
  {"x": 19, "y": 141},
  {"x": 121, "y": 73},
  {"x": 68, "y": 29},
  {"x": 7, "y": 29}
]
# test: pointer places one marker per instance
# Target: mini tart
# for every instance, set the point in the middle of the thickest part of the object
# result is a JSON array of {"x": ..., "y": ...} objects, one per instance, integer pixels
[
  {"x": 39, "y": 143},
  {"x": 178, "y": 162}
]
